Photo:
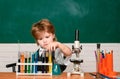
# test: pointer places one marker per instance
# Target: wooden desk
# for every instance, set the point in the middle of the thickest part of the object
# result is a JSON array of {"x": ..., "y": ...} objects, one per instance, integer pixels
[{"x": 8, "y": 75}]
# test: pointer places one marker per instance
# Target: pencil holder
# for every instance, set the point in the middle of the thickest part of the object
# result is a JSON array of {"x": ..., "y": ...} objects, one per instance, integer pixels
[{"x": 104, "y": 63}]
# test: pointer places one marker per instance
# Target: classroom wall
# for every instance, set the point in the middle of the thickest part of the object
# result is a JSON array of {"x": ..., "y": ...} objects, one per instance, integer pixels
[
  {"x": 9, "y": 53},
  {"x": 97, "y": 20}
]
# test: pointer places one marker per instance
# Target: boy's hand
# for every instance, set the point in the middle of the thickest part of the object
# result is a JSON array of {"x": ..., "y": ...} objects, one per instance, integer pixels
[{"x": 52, "y": 46}]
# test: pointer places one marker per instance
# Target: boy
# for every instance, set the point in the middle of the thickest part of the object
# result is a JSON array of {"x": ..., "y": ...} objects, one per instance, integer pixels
[{"x": 44, "y": 34}]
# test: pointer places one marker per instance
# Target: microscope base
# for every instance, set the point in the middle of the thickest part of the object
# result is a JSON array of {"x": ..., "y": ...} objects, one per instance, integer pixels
[{"x": 76, "y": 73}]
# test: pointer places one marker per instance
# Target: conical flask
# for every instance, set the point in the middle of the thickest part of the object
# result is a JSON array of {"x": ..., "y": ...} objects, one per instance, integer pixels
[{"x": 56, "y": 69}]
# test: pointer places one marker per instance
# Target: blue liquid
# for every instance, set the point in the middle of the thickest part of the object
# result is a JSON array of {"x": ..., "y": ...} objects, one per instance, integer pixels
[{"x": 56, "y": 69}]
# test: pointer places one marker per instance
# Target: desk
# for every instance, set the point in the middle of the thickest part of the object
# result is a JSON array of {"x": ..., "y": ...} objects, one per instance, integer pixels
[{"x": 10, "y": 75}]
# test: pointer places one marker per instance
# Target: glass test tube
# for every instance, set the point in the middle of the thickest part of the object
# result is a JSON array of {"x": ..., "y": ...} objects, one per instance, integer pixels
[{"x": 22, "y": 60}]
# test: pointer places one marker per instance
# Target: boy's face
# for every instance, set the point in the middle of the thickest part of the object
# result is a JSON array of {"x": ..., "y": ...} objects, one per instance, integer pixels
[{"x": 44, "y": 39}]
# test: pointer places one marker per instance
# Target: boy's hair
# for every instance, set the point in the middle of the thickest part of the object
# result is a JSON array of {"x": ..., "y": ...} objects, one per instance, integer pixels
[{"x": 43, "y": 25}]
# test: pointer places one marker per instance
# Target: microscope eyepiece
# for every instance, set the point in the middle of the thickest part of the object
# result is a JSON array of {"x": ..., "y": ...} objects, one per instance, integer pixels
[{"x": 77, "y": 35}]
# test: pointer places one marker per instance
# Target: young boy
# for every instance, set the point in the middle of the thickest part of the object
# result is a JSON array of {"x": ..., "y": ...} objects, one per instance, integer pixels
[{"x": 44, "y": 34}]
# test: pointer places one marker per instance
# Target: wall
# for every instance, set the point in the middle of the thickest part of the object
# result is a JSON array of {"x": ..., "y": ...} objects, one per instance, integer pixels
[
  {"x": 9, "y": 53},
  {"x": 97, "y": 20}
]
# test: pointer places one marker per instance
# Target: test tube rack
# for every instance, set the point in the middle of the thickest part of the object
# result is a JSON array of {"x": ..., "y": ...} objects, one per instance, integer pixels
[
  {"x": 29, "y": 64},
  {"x": 33, "y": 65}
]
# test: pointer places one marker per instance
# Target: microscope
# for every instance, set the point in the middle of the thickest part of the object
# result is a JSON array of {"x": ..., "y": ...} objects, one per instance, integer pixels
[{"x": 76, "y": 50}]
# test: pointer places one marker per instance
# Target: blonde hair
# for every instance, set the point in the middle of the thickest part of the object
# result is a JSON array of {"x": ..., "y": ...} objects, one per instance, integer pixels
[{"x": 43, "y": 25}]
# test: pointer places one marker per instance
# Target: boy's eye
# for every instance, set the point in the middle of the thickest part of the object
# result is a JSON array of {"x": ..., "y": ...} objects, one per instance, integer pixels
[
  {"x": 47, "y": 36},
  {"x": 40, "y": 39}
]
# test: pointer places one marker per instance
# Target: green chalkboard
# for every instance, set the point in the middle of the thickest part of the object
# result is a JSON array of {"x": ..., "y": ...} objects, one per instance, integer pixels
[{"x": 97, "y": 20}]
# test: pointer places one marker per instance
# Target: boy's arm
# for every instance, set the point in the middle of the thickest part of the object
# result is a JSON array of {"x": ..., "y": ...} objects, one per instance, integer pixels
[{"x": 65, "y": 49}]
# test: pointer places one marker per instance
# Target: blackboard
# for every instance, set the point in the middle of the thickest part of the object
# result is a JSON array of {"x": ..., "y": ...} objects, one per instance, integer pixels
[{"x": 97, "y": 20}]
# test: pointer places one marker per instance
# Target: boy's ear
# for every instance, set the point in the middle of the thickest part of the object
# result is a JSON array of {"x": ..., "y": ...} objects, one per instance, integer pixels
[
  {"x": 37, "y": 42},
  {"x": 54, "y": 37}
]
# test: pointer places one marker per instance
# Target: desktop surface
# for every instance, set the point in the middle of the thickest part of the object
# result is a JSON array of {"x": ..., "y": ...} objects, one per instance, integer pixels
[{"x": 11, "y": 75}]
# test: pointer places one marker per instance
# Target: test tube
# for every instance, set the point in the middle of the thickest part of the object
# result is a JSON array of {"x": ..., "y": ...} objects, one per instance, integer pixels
[
  {"x": 46, "y": 61},
  {"x": 50, "y": 61},
  {"x": 36, "y": 61},
  {"x": 43, "y": 61},
  {"x": 29, "y": 61},
  {"x": 19, "y": 61},
  {"x": 22, "y": 60},
  {"x": 39, "y": 68},
  {"x": 26, "y": 56},
  {"x": 33, "y": 61}
]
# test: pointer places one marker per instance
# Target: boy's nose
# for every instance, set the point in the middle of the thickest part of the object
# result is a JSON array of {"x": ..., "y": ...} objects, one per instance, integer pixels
[{"x": 44, "y": 40}]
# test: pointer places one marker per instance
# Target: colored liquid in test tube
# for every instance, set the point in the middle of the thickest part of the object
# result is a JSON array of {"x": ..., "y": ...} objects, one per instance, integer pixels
[
  {"x": 29, "y": 61},
  {"x": 22, "y": 60},
  {"x": 36, "y": 61},
  {"x": 26, "y": 56},
  {"x": 50, "y": 61},
  {"x": 43, "y": 61},
  {"x": 46, "y": 61},
  {"x": 33, "y": 61}
]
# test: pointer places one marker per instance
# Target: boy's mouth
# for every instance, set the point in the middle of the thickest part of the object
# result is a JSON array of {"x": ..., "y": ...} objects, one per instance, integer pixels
[{"x": 45, "y": 45}]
